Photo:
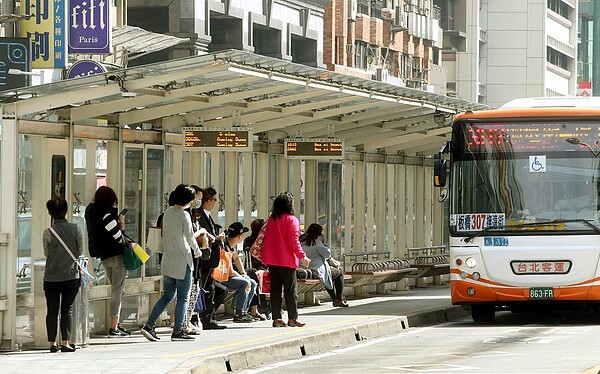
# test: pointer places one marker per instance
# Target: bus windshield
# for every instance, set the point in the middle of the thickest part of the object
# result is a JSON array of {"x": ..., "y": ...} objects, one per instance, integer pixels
[{"x": 510, "y": 174}]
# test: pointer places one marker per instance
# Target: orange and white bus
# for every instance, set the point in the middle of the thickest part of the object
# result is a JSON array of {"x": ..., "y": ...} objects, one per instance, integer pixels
[{"x": 524, "y": 205}]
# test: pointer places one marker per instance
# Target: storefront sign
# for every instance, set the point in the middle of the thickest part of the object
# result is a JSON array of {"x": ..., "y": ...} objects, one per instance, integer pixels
[
  {"x": 83, "y": 68},
  {"x": 89, "y": 26},
  {"x": 18, "y": 57},
  {"x": 46, "y": 29}
]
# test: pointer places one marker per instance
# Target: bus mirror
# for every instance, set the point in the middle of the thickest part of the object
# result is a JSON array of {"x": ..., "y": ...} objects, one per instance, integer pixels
[{"x": 439, "y": 172}]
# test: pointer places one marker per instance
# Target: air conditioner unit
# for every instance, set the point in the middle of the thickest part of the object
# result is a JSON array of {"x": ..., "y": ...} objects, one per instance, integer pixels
[
  {"x": 350, "y": 49},
  {"x": 381, "y": 75},
  {"x": 400, "y": 23},
  {"x": 352, "y": 9}
]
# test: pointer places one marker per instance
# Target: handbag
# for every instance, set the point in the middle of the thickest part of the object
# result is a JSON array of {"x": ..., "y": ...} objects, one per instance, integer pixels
[
  {"x": 221, "y": 272},
  {"x": 200, "y": 305},
  {"x": 256, "y": 247},
  {"x": 154, "y": 239},
  {"x": 334, "y": 263},
  {"x": 134, "y": 255},
  {"x": 80, "y": 263}
]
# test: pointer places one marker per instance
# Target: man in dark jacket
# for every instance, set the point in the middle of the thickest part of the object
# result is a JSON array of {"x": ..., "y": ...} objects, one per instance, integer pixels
[
  {"x": 105, "y": 239},
  {"x": 217, "y": 292}
]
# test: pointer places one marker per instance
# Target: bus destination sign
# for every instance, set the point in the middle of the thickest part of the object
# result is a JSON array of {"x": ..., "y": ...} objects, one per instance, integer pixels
[
  {"x": 314, "y": 148},
  {"x": 213, "y": 139}
]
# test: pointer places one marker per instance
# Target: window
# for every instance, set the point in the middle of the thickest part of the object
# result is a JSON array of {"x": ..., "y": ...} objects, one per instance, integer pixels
[
  {"x": 557, "y": 58},
  {"x": 558, "y": 7}
]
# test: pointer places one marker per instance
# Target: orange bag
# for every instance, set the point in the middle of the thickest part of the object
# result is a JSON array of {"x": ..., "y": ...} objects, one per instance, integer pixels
[{"x": 222, "y": 271}]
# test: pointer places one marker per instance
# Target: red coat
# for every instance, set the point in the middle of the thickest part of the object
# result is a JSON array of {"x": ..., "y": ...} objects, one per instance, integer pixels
[{"x": 281, "y": 246}]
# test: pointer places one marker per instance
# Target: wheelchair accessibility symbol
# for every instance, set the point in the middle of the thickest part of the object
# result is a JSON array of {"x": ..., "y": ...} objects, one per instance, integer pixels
[{"x": 537, "y": 164}]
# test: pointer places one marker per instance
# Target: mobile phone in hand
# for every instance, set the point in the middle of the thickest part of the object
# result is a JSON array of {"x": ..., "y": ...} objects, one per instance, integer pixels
[{"x": 123, "y": 212}]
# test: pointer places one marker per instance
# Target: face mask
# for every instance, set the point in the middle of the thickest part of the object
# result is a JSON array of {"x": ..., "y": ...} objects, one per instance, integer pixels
[{"x": 198, "y": 204}]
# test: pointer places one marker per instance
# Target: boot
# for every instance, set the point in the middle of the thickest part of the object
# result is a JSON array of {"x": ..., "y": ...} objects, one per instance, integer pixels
[{"x": 340, "y": 303}]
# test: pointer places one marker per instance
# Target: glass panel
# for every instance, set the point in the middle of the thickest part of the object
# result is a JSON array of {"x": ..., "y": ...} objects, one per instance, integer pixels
[
  {"x": 336, "y": 212},
  {"x": 322, "y": 198},
  {"x": 132, "y": 200},
  {"x": 26, "y": 153},
  {"x": 154, "y": 199}
]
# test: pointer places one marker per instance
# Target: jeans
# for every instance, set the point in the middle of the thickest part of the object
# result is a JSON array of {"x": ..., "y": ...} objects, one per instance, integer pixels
[
  {"x": 60, "y": 295},
  {"x": 173, "y": 287},
  {"x": 243, "y": 296},
  {"x": 116, "y": 273}
]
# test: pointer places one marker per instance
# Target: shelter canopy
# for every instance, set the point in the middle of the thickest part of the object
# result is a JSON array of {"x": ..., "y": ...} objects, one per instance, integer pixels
[{"x": 238, "y": 88}]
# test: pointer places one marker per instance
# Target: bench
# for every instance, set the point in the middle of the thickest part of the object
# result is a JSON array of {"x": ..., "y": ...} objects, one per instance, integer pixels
[
  {"x": 309, "y": 286},
  {"x": 430, "y": 262},
  {"x": 377, "y": 271}
]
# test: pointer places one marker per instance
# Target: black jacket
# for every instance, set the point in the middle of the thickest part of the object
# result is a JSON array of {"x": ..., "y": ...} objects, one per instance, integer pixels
[{"x": 101, "y": 238}]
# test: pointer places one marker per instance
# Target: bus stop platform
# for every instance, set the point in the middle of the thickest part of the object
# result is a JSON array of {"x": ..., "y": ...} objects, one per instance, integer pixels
[{"x": 244, "y": 345}]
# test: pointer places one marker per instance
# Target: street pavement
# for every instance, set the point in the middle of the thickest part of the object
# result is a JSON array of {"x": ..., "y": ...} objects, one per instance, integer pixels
[{"x": 245, "y": 345}]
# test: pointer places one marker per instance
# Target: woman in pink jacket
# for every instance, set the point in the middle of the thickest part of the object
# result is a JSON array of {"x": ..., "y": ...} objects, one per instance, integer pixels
[{"x": 281, "y": 251}]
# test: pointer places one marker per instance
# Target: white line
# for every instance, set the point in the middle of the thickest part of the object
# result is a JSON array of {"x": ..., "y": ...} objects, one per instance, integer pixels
[{"x": 332, "y": 353}]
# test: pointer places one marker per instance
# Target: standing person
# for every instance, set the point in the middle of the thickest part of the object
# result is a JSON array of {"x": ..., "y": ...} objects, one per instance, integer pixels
[
  {"x": 217, "y": 291},
  {"x": 61, "y": 278},
  {"x": 105, "y": 238},
  {"x": 191, "y": 317},
  {"x": 318, "y": 253},
  {"x": 281, "y": 252},
  {"x": 243, "y": 285},
  {"x": 179, "y": 243}
]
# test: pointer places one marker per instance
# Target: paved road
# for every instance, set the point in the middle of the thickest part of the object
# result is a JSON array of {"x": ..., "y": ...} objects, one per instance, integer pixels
[{"x": 515, "y": 343}]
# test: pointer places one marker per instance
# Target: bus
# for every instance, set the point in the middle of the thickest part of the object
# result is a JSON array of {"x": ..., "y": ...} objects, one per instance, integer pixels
[{"x": 523, "y": 190}]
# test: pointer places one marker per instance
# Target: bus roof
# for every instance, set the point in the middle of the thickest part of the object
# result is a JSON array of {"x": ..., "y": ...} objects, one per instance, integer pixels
[{"x": 541, "y": 107}]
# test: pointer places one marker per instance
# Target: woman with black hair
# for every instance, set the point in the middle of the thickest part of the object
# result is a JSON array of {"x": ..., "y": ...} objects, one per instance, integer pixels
[
  {"x": 319, "y": 254},
  {"x": 281, "y": 251},
  {"x": 179, "y": 246}
]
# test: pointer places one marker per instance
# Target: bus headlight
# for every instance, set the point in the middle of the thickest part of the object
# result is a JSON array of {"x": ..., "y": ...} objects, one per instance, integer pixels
[{"x": 470, "y": 262}]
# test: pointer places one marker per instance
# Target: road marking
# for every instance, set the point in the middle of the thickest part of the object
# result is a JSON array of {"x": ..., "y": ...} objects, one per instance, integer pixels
[
  {"x": 335, "y": 352},
  {"x": 441, "y": 368}
]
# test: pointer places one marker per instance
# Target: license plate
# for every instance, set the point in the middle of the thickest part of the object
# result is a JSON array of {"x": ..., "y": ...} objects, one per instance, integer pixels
[{"x": 541, "y": 293}]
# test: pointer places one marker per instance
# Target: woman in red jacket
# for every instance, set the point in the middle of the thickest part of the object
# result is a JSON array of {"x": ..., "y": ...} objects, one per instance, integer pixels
[{"x": 281, "y": 252}]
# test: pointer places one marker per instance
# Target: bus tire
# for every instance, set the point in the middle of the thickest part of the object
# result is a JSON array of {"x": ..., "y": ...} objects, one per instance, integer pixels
[{"x": 483, "y": 313}]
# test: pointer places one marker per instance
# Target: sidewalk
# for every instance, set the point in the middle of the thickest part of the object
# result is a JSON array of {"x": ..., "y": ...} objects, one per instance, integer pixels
[{"x": 244, "y": 345}]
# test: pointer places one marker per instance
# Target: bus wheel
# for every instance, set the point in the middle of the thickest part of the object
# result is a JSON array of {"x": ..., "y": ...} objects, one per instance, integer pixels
[{"x": 483, "y": 313}]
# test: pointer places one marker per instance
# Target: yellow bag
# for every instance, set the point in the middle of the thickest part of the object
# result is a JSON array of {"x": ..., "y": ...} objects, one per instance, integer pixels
[{"x": 139, "y": 252}]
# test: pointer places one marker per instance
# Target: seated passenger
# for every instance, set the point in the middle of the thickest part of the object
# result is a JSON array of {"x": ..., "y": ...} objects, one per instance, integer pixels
[
  {"x": 242, "y": 284},
  {"x": 319, "y": 254}
]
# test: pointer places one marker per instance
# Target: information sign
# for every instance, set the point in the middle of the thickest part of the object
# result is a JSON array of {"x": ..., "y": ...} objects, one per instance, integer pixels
[
  {"x": 211, "y": 139},
  {"x": 314, "y": 148}
]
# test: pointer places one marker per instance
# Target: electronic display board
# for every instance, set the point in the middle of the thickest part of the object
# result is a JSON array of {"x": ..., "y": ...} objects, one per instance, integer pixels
[
  {"x": 314, "y": 148},
  {"x": 212, "y": 139}
]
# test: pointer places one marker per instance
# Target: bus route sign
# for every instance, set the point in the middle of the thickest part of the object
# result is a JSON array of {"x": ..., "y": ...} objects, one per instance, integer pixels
[
  {"x": 213, "y": 139},
  {"x": 314, "y": 148}
]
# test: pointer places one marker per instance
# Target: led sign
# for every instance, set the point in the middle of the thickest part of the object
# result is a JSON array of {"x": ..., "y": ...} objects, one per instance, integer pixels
[
  {"x": 314, "y": 148},
  {"x": 211, "y": 139}
]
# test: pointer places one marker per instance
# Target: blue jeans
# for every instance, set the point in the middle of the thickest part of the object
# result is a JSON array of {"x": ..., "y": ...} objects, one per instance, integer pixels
[
  {"x": 173, "y": 286},
  {"x": 242, "y": 298}
]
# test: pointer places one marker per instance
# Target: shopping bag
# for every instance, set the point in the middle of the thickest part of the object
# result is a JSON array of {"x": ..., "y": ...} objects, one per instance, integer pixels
[
  {"x": 134, "y": 255},
  {"x": 221, "y": 272},
  {"x": 264, "y": 281},
  {"x": 257, "y": 245},
  {"x": 86, "y": 278},
  {"x": 201, "y": 302},
  {"x": 154, "y": 239}
]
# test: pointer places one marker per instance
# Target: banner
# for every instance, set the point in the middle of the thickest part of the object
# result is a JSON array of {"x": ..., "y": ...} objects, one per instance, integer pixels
[
  {"x": 17, "y": 57},
  {"x": 89, "y": 26},
  {"x": 46, "y": 30}
]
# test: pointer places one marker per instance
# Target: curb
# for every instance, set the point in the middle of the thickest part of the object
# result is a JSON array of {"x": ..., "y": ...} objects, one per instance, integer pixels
[
  {"x": 294, "y": 348},
  {"x": 313, "y": 344}
]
